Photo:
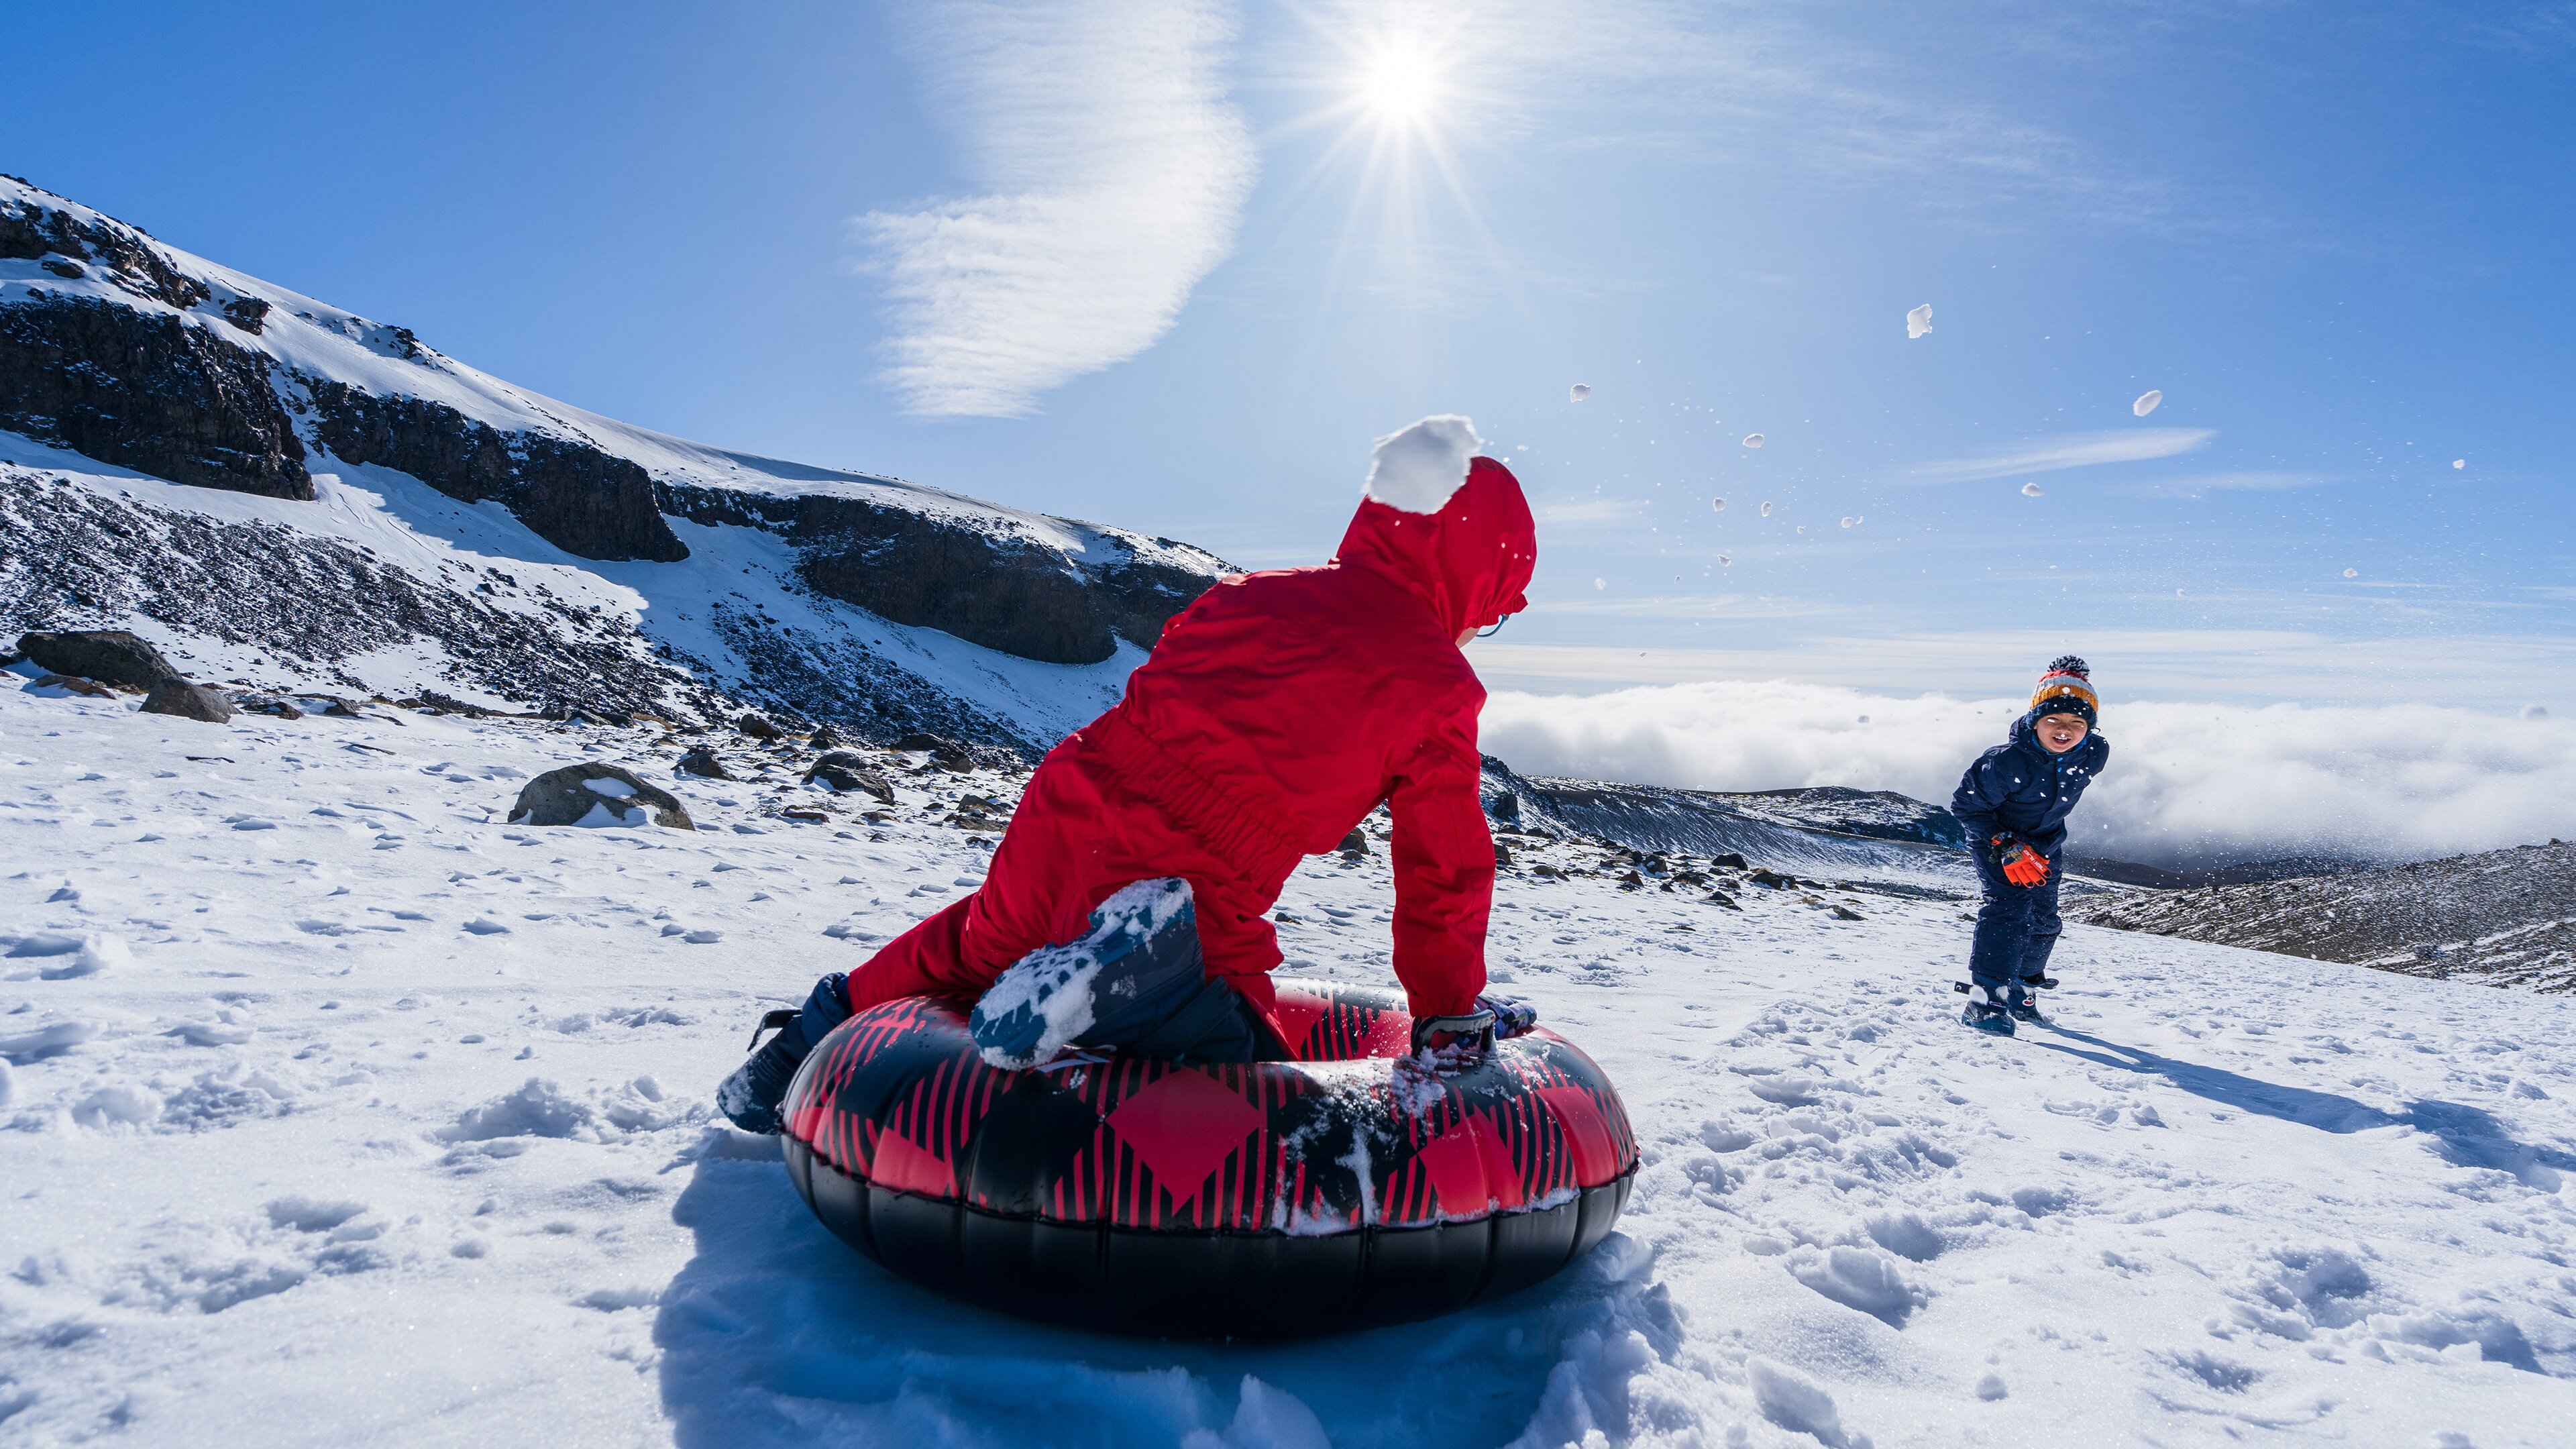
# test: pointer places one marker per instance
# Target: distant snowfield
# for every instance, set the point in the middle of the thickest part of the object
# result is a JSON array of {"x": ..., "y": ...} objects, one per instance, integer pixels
[{"x": 337, "y": 1110}]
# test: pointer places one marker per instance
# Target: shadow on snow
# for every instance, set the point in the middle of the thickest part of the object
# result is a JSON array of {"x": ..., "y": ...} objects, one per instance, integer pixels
[{"x": 776, "y": 1333}]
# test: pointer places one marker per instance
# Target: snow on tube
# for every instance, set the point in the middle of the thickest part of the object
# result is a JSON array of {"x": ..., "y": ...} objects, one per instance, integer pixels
[{"x": 1347, "y": 1188}]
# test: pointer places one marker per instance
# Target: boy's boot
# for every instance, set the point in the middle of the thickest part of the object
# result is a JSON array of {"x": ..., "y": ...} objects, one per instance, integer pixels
[
  {"x": 2021, "y": 999},
  {"x": 750, "y": 1097},
  {"x": 1135, "y": 965},
  {"x": 1986, "y": 1011}
]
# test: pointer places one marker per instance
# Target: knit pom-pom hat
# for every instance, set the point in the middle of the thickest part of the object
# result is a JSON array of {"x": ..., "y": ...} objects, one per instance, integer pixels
[{"x": 2067, "y": 688}]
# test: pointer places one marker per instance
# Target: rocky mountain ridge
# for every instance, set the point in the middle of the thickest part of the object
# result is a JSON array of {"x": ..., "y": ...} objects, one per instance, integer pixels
[{"x": 126, "y": 362}]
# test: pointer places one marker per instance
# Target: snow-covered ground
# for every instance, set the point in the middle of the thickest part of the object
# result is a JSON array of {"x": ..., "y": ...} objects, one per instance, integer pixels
[{"x": 338, "y": 1110}]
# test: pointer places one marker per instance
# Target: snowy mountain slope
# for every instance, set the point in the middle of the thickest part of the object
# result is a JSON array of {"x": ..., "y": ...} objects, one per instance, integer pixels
[
  {"x": 338, "y": 1111},
  {"x": 2503, "y": 917},
  {"x": 876, "y": 604}
]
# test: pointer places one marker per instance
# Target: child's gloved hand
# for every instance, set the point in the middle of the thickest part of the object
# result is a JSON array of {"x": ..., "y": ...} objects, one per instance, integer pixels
[
  {"x": 2022, "y": 865},
  {"x": 1512, "y": 1016}
]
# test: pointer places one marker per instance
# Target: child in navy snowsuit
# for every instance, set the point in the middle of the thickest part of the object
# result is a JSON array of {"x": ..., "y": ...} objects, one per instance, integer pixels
[{"x": 2014, "y": 802}]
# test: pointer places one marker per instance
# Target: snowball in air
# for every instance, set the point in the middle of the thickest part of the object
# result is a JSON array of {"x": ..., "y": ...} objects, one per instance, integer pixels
[
  {"x": 1919, "y": 321},
  {"x": 2352, "y": 573},
  {"x": 2459, "y": 462},
  {"x": 2030, "y": 490},
  {"x": 1718, "y": 504},
  {"x": 2147, "y": 402},
  {"x": 1416, "y": 470},
  {"x": 1766, "y": 510},
  {"x": 1724, "y": 562},
  {"x": 1600, "y": 584},
  {"x": 1579, "y": 392},
  {"x": 1848, "y": 522},
  {"x": 1753, "y": 440}
]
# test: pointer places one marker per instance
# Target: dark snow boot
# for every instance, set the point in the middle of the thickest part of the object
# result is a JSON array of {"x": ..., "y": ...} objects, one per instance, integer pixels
[
  {"x": 2021, "y": 999},
  {"x": 750, "y": 1097},
  {"x": 1984, "y": 1012}
]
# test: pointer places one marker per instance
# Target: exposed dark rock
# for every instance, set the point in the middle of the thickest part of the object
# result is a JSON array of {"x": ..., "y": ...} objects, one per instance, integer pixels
[
  {"x": 1502, "y": 854},
  {"x": 1771, "y": 879},
  {"x": 823, "y": 738},
  {"x": 114, "y": 656},
  {"x": 70, "y": 555},
  {"x": 846, "y": 772},
  {"x": 76, "y": 685},
  {"x": 703, "y": 763},
  {"x": 569, "y": 493},
  {"x": 156, "y": 393},
  {"x": 597, "y": 794},
  {"x": 1354, "y": 845},
  {"x": 1730, "y": 860},
  {"x": 68, "y": 271},
  {"x": 249, "y": 314},
  {"x": 188, "y": 701},
  {"x": 281, "y": 708},
  {"x": 985, "y": 585},
  {"x": 31, "y": 231},
  {"x": 758, "y": 727},
  {"x": 944, "y": 754}
]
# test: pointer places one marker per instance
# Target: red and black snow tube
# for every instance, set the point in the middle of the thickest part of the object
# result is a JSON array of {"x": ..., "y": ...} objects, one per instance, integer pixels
[{"x": 1344, "y": 1189}]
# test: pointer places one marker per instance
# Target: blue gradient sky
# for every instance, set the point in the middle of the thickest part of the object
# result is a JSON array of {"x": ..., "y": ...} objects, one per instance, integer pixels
[{"x": 2337, "y": 237}]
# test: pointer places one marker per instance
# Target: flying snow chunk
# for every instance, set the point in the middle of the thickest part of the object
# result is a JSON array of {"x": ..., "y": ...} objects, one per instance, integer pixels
[
  {"x": 1578, "y": 392},
  {"x": 2352, "y": 573},
  {"x": 1919, "y": 321},
  {"x": 1724, "y": 562},
  {"x": 2459, "y": 462},
  {"x": 1600, "y": 583},
  {"x": 2147, "y": 402},
  {"x": 1718, "y": 504},
  {"x": 1416, "y": 470},
  {"x": 1753, "y": 440},
  {"x": 2030, "y": 490},
  {"x": 2181, "y": 594},
  {"x": 1766, "y": 510},
  {"x": 1848, "y": 522}
]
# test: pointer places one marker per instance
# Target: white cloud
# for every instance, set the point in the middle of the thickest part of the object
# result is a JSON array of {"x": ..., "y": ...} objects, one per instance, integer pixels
[
  {"x": 2188, "y": 782},
  {"x": 2195, "y": 484},
  {"x": 2065, "y": 450},
  {"x": 1116, "y": 178}
]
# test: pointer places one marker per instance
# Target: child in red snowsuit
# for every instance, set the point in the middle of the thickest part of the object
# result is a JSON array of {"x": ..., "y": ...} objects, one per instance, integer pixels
[{"x": 1276, "y": 712}]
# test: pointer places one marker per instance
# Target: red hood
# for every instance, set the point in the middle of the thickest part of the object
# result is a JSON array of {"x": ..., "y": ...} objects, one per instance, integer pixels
[{"x": 1468, "y": 562}]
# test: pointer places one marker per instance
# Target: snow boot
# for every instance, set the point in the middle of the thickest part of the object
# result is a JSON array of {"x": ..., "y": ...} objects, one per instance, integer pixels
[
  {"x": 1984, "y": 1012},
  {"x": 750, "y": 1097},
  {"x": 2021, "y": 999},
  {"x": 1133, "y": 969}
]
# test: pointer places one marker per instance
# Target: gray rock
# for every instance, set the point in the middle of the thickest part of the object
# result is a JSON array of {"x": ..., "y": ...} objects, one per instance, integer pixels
[
  {"x": 76, "y": 685},
  {"x": 758, "y": 727},
  {"x": 823, "y": 738},
  {"x": 111, "y": 656},
  {"x": 704, "y": 763},
  {"x": 188, "y": 701},
  {"x": 597, "y": 794},
  {"x": 846, "y": 772},
  {"x": 1354, "y": 845}
]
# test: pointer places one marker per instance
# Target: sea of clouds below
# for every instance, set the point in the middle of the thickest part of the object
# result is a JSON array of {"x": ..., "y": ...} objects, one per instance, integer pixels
[{"x": 2188, "y": 784}]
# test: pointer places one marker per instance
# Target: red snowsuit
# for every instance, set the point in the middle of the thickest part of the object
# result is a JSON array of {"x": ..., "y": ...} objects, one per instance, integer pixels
[{"x": 1275, "y": 713}]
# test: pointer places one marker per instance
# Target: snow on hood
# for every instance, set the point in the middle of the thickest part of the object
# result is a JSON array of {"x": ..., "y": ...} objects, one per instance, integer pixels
[{"x": 1469, "y": 561}]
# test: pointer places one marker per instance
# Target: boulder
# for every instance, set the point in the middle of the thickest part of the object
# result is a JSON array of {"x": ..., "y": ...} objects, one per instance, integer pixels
[
  {"x": 823, "y": 738},
  {"x": 1728, "y": 859},
  {"x": 758, "y": 727},
  {"x": 597, "y": 794},
  {"x": 76, "y": 685},
  {"x": 703, "y": 763},
  {"x": 944, "y": 753},
  {"x": 845, "y": 772},
  {"x": 188, "y": 701},
  {"x": 111, "y": 656},
  {"x": 282, "y": 708},
  {"x": 1354, "y": 845},
  {"x": 1502, "y": 854}
]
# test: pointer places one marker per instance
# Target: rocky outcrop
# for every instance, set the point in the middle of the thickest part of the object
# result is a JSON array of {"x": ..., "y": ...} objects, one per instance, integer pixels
[
  {"x": 35, "y": 232},
  {"x": 158, "y": 393},
  {"x": 986, "y": 586},
  {"x": 584, "y": 501},
  {"x": 597, "y": 794},
  {"x": 188, "y": 701},
  {"x": 112, "y": 656}
]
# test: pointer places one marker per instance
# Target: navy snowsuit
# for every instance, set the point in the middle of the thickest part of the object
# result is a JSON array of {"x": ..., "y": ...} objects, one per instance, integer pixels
[{"x": 2019, "y": 789}]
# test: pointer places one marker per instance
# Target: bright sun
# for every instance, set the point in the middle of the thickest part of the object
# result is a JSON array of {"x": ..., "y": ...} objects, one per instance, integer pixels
[{"x": 1399, "y": 84}]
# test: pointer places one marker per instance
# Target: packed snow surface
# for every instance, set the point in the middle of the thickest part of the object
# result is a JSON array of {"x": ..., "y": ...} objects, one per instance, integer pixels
[
  {"x": 1417, "y": 468},
  {"x": 389, "y": 1123},
  {"x": 1919, "y": 321}
]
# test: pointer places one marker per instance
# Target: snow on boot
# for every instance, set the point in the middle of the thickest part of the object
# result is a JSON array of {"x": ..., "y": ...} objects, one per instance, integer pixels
[
  {"x": 1058, "y": 995},
  {"x": 1985, "y": 1013},
  {"x": 750, "y": 1097}
]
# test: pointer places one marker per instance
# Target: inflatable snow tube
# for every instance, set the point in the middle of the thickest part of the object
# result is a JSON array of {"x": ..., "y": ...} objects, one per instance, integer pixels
[{"x": 1347, "y": 1188}]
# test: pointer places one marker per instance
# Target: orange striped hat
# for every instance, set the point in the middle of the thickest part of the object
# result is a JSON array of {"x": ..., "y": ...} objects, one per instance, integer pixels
[{"x": 2068, "y": 684}]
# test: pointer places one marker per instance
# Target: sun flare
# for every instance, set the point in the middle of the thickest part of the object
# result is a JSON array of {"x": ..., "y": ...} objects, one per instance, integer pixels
[{"x": 1399, "y": 84}]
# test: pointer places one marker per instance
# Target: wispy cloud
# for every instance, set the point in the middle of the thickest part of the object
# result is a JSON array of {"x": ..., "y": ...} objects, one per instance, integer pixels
[
  {"x": 1116, "y": 174},
  {"x": 2197, "y": 484},
  {"x": 2065, "y": 450}
]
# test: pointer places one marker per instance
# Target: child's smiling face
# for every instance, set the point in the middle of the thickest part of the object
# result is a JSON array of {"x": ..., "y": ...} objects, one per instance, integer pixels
[{"x": 2059, "y": 733}]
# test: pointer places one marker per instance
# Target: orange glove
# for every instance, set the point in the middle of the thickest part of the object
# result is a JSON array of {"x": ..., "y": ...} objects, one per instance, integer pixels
[{"x": 2022, "y": 865}]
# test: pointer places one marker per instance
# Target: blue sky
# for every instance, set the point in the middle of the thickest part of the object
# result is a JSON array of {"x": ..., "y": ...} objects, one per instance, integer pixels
[{"x": 1168, "y": 235}]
